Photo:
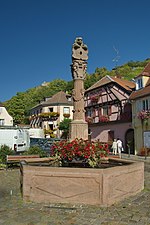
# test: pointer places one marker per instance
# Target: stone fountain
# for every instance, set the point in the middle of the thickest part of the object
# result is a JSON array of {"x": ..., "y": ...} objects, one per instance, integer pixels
[{"x": 103, "y": 187}]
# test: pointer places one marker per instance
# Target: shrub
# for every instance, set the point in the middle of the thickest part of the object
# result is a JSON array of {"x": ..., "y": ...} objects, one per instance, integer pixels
[
  {"x": 4, "y": 151},
  {"x": 64, "y": 126},
  {"x": 35, "y": 150}
]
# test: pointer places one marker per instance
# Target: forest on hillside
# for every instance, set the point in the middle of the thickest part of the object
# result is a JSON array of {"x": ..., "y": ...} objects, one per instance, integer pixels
[{"x": 20, "y": 104}]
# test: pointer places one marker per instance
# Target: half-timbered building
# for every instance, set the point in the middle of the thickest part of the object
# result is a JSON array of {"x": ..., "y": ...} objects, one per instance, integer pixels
[{"x": 109, "y": 112}]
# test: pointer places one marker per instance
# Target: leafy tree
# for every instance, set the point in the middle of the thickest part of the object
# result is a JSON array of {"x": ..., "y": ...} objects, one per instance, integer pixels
[
  {"x": 64, "y": 126},
  {"x": 20, "y": 104}
]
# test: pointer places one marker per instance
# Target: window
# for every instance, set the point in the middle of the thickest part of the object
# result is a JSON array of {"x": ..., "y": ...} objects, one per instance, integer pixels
[
  {"x": 96, "y": 111},
  {"x": 69, "y": 99},
  {"x": 66, "y": 110},
  {"x": 1, "y": 122},
  {"x": 139, "y": 83},
  {"x": 145, "y": 104},
  {"x": 89, "y": 113},
  {"x": 107, "y": 110},
  {"x": 51, "y": 109}
]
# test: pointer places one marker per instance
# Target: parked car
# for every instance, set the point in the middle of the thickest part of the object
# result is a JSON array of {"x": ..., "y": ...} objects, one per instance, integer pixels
[{"x": 44, "y": 143}]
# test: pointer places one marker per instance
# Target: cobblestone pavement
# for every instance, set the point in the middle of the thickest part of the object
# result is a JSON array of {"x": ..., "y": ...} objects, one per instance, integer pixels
[{"x": 13, "y": 211}]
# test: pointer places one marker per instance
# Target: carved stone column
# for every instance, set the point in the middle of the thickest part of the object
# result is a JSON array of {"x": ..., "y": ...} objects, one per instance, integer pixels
[{"x": 78, "y": 127}]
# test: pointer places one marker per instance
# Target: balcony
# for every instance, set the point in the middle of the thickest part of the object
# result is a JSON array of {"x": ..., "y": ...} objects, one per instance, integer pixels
[{"x": 49, "y": 116}]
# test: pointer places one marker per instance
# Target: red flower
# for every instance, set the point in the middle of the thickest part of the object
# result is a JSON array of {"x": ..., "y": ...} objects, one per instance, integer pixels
[{"x": 79, "y": 148}]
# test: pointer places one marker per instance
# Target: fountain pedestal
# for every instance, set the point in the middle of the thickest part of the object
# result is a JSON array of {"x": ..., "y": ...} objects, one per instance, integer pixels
[{"x": 78, "y": 127}]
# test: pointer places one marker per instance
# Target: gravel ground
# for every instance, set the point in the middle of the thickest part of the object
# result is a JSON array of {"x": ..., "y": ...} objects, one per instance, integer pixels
[{"x": 13, "y": 211}]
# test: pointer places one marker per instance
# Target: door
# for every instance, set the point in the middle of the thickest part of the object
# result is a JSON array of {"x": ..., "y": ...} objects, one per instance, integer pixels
[{"x": 129, "y": 142}]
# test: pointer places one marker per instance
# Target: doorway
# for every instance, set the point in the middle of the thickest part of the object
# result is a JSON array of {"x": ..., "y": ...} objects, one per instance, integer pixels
[{"x": 129, "y": 142}]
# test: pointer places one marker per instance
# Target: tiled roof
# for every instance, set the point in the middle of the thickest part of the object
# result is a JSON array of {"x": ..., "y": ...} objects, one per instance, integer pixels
[
  {"x": 58, "y": 98},
  {"x": 128, "y": 85},
  {"x": 146, "y": 71},
  {"x": 146, "y": 90},
  {"x": 140, "y": 93}
]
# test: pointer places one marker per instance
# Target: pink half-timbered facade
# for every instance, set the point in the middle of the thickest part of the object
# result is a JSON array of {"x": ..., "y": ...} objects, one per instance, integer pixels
[{"x": 108, "y": 110}]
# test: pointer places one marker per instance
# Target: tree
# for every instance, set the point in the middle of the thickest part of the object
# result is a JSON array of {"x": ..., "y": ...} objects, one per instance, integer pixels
[
  {"x": 64, "y": 126},
  {"x": 20, "y": 104}
]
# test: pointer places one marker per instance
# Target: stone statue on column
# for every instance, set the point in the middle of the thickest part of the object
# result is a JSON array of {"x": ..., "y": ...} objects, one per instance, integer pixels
[{"x": 78, "y": 127}]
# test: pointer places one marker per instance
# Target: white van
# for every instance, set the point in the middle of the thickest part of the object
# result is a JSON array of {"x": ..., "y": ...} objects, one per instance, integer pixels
[
  {"x": 36, "y": 133},
  {"x": 16, "y": 138}
]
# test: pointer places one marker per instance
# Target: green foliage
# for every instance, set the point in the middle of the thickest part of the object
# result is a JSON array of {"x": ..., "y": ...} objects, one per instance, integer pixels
[
  {"x": 20, "y": 104},
  {"x": 4, "y": 151},
  {"x": 64, "y": 126},
  {"x": 69, "y": 87},
  {"x": 2, "y": 165},
  {"x": 50, "y": 133},
  {"x": 35, "y": 150},
  {"x": 49, "y": 114}
]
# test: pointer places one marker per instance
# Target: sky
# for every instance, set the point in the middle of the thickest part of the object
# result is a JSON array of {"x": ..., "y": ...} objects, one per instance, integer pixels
[{"x": 36, "y": 38}]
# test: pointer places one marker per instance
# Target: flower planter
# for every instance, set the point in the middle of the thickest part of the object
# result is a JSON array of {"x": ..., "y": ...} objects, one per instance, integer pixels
[
  {"x": 66, "y": 115},
  {"x": 44, "y": 184}
]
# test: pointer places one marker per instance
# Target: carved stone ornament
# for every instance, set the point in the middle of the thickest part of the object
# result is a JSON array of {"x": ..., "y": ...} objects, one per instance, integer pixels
[
  {"x": 79, "y": 50},
  {"x": 78, "y": 95},
  {"x": 79, "y": 69}
]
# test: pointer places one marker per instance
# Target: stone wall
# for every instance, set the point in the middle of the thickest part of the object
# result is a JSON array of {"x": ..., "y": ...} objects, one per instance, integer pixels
[{"x": 82, "y": 185}]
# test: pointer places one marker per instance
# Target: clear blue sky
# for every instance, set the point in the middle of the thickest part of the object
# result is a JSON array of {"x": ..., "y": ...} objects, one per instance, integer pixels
[{"x": 36, "y": 38}]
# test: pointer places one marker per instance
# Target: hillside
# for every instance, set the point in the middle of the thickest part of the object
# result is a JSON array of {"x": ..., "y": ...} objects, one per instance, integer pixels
[{"x": 20, "y": 104}]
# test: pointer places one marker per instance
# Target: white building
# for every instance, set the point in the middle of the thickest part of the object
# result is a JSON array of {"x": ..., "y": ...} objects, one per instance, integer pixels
[
  {"x": 5, "y": 118},
  {"x": 50, "y": 112}
]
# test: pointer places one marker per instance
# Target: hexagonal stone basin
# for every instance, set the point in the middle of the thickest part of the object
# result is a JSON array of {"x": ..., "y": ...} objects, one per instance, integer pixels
[{"x": 104, "y": 187}]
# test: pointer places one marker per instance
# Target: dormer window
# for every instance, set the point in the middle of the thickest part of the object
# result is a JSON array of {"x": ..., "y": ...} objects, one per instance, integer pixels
[
  {"x": 69, "y": 99},
  {"x": 139, "y": 83}
]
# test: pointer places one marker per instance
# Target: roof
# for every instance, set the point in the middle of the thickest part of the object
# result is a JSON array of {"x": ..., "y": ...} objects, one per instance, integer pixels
[
  {"x": 146, "y": 71},
  {"x": 128, "y": 85},
  {"x": 142, "y": 92},
  {"x": 59, "y": 98},
  {"x": 146, "y": 90}
]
